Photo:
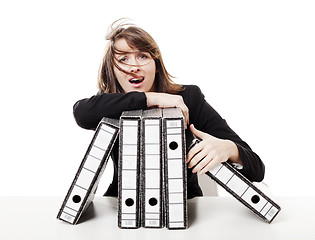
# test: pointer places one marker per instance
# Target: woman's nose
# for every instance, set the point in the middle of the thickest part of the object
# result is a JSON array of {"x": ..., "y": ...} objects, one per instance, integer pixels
[{"x": 135, "y": 69}]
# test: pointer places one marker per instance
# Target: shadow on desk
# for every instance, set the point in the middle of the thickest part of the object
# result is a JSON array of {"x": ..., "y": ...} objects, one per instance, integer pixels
[
  {"x": 192, "y": 212},
  {"x": 91, "y": 213},
  {"x": 88, "y": 214}
]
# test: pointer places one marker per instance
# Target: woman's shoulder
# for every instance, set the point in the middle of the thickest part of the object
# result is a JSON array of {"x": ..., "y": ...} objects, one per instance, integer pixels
[
  {"x": 191, "y": 87},
  {"x": 192, "y": 97},
  {"x": 191, "y": 91}
]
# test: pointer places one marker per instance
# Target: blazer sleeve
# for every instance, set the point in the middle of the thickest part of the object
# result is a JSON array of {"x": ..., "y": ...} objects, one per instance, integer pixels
[
  {"x": 206, "y": 119},
  {"x": 88, "y": 112}
]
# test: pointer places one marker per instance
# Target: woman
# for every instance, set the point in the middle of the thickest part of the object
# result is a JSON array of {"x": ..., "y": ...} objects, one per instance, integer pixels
[{"x": 133, "y": 76}]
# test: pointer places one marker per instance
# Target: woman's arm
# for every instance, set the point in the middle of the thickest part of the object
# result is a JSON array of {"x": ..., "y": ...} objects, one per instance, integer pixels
[
  {"x": 220, "y": 138},
  {"x": 88, "y": 112}
]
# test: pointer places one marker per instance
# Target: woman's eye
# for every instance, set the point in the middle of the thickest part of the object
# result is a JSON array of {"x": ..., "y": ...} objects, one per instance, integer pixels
[
  {"x": 122, "y": 59},
  {"x": 143, "y": 56}
]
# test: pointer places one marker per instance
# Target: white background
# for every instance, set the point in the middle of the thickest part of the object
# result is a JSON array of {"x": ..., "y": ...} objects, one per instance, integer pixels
[{"x": 253, "y": 60}]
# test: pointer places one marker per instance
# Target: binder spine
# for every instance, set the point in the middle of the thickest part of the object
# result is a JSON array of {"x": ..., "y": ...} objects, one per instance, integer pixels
[
  {"x": 83, "y": 187},
  {"x": 128, "y": 174},
  {"x": 151, "y": 172},
  {"x": 243, "y": 190},
  {"x": 175, "y": 174}
]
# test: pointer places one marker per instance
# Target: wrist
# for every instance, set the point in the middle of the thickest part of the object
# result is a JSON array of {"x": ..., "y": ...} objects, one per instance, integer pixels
[
  {"x": 150, "y": 99},
  {"x": 234, "y": 153}
]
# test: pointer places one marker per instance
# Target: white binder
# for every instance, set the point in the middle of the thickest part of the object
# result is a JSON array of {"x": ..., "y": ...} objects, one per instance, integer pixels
[
  {"x": 129, "y": 170},
  {"x": 240, "y": 187},
  {"x": 151, "y": 169},
  {"x": 82, "y": 190},
  {"x": 175, "y": 169},
  {"x": 243, "y": 190}
]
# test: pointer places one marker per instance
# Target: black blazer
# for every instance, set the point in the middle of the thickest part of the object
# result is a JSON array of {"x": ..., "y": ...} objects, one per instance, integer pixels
[{"x": 89, "y": 111}]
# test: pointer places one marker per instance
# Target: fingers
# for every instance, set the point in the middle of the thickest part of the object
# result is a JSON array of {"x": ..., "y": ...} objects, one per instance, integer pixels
[
  {"x": 186, "y": 116},
  {"x": 165, "y": 100},
  {"x": 196, "y": 149},
  {"x": 197, "y": 132},
  {"x": 197, "y": 158},
  {"x": 205, "y": 165},
  {"x": 185, "y": 111},
  {"x": 202, "y": 164},
  {"x": 204, "y": 155},
  {"x": 208, "y": 166}
]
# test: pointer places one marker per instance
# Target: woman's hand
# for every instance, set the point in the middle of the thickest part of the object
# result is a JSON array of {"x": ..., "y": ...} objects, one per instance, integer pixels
[
  {"x": 210, "y": 151},
  {"x": 164, "y": 100}
]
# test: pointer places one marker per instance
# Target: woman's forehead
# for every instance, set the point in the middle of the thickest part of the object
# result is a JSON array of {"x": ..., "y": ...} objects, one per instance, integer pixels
[{"x": 121, "y": 45}]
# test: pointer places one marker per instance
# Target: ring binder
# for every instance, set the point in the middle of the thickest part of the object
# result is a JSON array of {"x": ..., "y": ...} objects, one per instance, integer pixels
[
  {"x": 175, "y": 169},
  {"x": 152, "y": 169},
  {"x": 243, "y": 190},
  {"x": 129, "y": 170},
  {"x": 82, "y": 190},
  {"x": 239, "y": 186}
]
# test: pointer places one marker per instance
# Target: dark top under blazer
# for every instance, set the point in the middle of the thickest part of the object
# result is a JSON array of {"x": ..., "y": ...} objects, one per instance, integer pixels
[{"x": 89, "y": 112}]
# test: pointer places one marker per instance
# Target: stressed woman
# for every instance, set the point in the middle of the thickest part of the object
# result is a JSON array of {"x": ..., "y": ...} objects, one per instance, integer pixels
[{"x": 133, "y": 77}]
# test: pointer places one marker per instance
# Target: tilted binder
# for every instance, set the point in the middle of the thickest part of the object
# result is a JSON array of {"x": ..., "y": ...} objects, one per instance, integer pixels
[
  {"x": 152, "y": 169},
  {"x": 129, "y": 169},
  {"x": 82, "y": 190},
  {"x": 175, "y": 169},
  {"x": 239, "y": 186}
]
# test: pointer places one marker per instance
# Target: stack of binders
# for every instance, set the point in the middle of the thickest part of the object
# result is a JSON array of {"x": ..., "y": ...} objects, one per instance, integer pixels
[
  {"x": 152, "y": 172},
  {"x": 152, "y": 169},
  {"x": 152, "y": 188}
]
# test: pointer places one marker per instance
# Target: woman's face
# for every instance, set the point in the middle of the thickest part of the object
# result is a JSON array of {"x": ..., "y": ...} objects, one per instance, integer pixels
[{"x": 136, "y": 62}]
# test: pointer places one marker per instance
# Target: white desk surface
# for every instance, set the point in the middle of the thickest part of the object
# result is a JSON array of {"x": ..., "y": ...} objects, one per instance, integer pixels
[{"x": 32, "y": 218}]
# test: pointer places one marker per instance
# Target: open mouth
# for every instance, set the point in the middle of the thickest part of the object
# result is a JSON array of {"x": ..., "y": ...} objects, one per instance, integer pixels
[{"x": 136, "y": 80}]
